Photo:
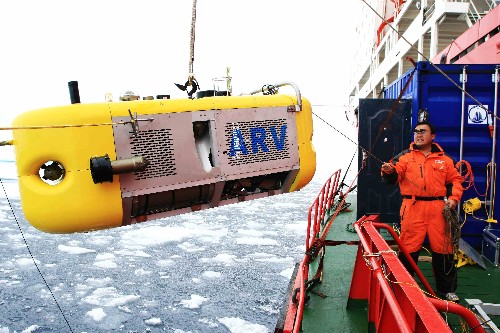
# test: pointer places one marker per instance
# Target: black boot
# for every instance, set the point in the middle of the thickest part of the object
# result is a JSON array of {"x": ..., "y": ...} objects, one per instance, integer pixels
[
  {"x": 445, "y": 272},
  {"x": 414, "y": 256}
]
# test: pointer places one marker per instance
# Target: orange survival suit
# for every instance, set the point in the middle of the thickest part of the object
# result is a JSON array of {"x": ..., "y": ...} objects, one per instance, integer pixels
[{"x": 424, "y": 183}]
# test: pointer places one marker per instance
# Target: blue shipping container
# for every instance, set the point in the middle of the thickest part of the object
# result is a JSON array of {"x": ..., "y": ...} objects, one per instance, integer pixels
[{"x": 436, "y": 88}]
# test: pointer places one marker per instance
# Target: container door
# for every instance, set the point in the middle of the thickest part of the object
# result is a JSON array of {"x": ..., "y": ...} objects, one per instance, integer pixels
[{"x": 384, "y": 142}]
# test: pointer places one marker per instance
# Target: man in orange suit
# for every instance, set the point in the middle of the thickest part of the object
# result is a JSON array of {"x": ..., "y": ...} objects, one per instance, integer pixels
[{"x": 427, "y": 177}]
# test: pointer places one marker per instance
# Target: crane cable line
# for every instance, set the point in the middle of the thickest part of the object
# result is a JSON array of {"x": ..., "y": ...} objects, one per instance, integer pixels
[
  {"x": 451, "y": 216},
  {"x": 491, "y": 113},
  {"x": 133, "y": 122},
  {"x": 60, "y": 126},
  {"x": 191, "y": 44},
  {"x": 432, "y": 64},
  {"x": 386, "y": 121}
]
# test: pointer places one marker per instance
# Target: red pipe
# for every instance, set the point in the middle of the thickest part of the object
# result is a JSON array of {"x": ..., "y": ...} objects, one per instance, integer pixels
[
  {"x": 470, "y": 318},
  {"x": 407, "y": 256},
  {"x": 381, "y": 27}
]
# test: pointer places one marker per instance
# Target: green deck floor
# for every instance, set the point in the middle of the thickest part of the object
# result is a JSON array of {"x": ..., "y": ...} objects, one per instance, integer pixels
[{"x": 329, "y": 314}]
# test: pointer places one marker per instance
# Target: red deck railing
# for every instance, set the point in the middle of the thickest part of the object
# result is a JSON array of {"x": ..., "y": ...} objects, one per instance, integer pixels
[
  {"x": 315, "y": 227},
  {"x": 395, "y": 302},
  {"x": 319, "y": 207}
]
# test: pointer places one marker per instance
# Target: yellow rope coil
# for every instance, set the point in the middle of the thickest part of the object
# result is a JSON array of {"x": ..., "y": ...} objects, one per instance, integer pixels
[{"x": 472, "y": 205}]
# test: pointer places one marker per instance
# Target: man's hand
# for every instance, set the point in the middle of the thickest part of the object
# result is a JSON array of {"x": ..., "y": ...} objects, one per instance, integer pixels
[
  {"x": 452, "y": 203},
  {"x": 387, "y": 168}
]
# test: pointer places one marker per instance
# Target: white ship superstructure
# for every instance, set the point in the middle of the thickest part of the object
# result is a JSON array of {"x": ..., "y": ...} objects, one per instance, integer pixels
[{"x": 420, "y": 30}]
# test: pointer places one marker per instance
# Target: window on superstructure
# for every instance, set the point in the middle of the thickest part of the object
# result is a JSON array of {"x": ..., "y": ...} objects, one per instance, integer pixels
[
  {"x": 482, "y": 40},
  {"x": 476, "y": 44},
  {"x": 494, "y": 31}
]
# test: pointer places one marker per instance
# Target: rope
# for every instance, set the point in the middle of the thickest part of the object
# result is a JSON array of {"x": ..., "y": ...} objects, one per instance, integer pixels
[
  {"x": 33, "y": 258},
  {"x": 452, "y": 227},
  {"x": 133, "y": 121},
  {"x": 345, "y": 136},
  {"x": 468, "y": 177},
  {"x": 191, "y": 81},
  {"x": 191, "y": 45},
  {"x": 473, "y": 204},
  {"x": 59, "y": 126},
  {"x": 395, "y": 105}
]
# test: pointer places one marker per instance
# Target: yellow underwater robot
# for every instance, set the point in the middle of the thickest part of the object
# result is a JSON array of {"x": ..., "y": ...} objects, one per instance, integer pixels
[{"x": 84, "y": 167}]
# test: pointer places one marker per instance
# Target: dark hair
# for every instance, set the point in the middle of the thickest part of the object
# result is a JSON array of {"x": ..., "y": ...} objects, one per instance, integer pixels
[{"x": 433, "y": 129}]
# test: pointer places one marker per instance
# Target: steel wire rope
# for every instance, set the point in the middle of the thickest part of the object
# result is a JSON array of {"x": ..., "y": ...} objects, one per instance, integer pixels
[
  {"x": 387, "y": 119},
  {"x": 432, "y": 64},
  {"x": 133, "y": 122},
  {"x": 340, "y": 202},
  {"x": 60, "y": 126},
  {"x": 394, "y": 106},
  {"x": 191, "y": 43},
  {"x": 33, "y": 258},
  {"x": 453, "y": 223},
  {"x": 348, "y": 138},
  {"x": 327, "y": 227}
]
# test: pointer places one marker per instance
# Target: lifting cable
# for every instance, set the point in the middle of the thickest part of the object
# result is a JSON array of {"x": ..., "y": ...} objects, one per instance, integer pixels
[
  {"x": 395, "y": 105},
  {"x": 469, "y": 171},
  {"x": 386, "y": 121},
  {"x": 348, "y": 138},
  {"x": 134, "y": 122},
  {"x": 191, "y": 81},
  {"x": 452, "y": 227},
  {"x": 191, "y": 44},
  {"x": 33, "y": 258}
]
